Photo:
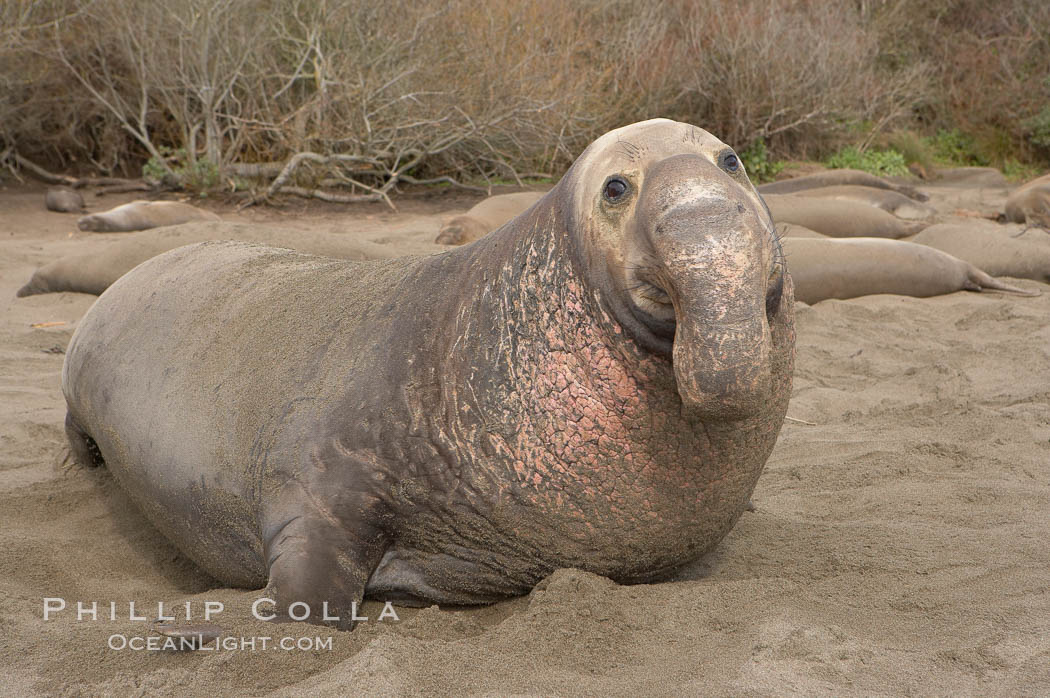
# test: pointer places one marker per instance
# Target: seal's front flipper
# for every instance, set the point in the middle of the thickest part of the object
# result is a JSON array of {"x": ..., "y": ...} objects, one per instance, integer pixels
[
  {"x": 81, "y": 446},
  {"x": 319, "y": 562}
]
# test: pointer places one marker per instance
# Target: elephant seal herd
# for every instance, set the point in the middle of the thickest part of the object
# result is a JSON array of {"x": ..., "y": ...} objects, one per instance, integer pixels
[
  {"x": 596, "y": 384},
  {"x": 94, "y": 272},
  {"x": 840, "y": 203}
]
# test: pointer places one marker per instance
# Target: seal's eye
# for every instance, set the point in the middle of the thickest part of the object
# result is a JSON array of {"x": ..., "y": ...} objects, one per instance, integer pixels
[
  {"x": 730, "y": 162},
  {"x": 615, "y": 189}
]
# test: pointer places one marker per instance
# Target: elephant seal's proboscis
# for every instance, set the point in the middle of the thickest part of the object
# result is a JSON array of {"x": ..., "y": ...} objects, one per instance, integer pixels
[{"x": 597, "y": 384}]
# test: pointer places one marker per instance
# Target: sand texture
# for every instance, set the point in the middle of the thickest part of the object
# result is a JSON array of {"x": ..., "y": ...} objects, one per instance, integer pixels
[{"x": 900, "y": 542}]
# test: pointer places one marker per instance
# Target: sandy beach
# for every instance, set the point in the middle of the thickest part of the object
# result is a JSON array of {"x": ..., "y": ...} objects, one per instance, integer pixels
[{"x": 898, "y": 546}]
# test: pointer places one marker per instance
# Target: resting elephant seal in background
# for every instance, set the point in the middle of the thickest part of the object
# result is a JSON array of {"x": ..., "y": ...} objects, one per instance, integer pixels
[
  {"x": 832, "y": 178},
  {"x": 1030, "y": 203},
  {"x": 141, "y": 215},
  {"x": 94, "y": 271},
  {"x": 797, "y": 231},
  {"x": 889, "y": 201},
  {"x": 841, "y": 219},
  {"x": 971, "y": 177},
  {"x": 63, "y": 200},
  {"x": 992, "y": 248},
  {"x": 849, "y": 268},
  {"x": 597, "y": 384},
  {"x": 485, "y": 216}
]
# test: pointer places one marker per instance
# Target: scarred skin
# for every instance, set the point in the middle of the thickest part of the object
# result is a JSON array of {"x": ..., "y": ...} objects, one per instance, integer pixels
[{"x": 597, "y": 384}]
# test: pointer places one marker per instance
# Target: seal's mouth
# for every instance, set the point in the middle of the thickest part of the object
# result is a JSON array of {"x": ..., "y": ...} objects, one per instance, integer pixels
[
  {"x": 650, "y": 316},
  {"x": 719, "y": 351},
  {"x": 657, "y": 319},
  {"x": 654, "y": 330}
]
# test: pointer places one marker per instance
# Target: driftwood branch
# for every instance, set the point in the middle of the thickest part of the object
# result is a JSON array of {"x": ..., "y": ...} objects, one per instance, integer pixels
[
  {"x": 121, "y": 188},
  {"x": 392, "y": 176},
  {"x": 14, "y": 162},
  {"x": 255, "y": 170},
  {"x": 332, "y": 196},
  {"x": 281, "y": 172},
  {"x": 296, "y": 160},
  {"x": 441, "y": 180}
]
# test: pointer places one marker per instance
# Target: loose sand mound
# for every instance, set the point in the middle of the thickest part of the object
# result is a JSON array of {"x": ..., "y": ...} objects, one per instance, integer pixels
[{"x": 899, "y": 543}]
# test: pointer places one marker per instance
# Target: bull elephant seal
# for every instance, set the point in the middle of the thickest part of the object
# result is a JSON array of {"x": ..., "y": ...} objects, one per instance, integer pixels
[
  {"x": 839, "y": 219},
  {"x": 833, "y": 178},
  {"x": 485, "y": 217},
  {"x": 141, "y": 215},
  {"x": 889, "y": 201},
  {"x": 824, "y": 269},
  {"x": 993, "y": 248},
  {"x": 1030, "y": 203},
  {"x": 95, "y": 270},
  {"x": 597, "y": 384},
  {"x": 63, "y": 200}
]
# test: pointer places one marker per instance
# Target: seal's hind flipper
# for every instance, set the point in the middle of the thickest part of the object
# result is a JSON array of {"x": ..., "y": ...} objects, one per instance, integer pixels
[
  {"x": 980, "y": 281},
  {"x": 82, "y": 447}
]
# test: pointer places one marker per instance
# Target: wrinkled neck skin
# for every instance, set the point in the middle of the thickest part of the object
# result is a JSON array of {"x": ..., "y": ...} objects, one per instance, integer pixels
[{"x": 571, "y": 430}]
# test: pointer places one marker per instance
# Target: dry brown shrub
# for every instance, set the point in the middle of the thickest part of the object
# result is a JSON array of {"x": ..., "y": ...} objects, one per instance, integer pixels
[
  {"x": 795, "y": 73},
  {"x": 991, "y": 64},
  {"x": 372, "y": 94}
]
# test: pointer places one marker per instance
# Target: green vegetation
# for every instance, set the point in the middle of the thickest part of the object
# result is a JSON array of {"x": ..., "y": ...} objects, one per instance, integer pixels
[
  {"x": 914, "y": 148},
  {"x": 953, "y": 147},
  {"x": 945, "y": 148},
  {"x": 1020, "y": 171},
  {"x": 1039, "y": 129},
  {"x": 197, "y": 176},
  {"x": 758, "y": 165},
  {"x": 879, "y": 162}
]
